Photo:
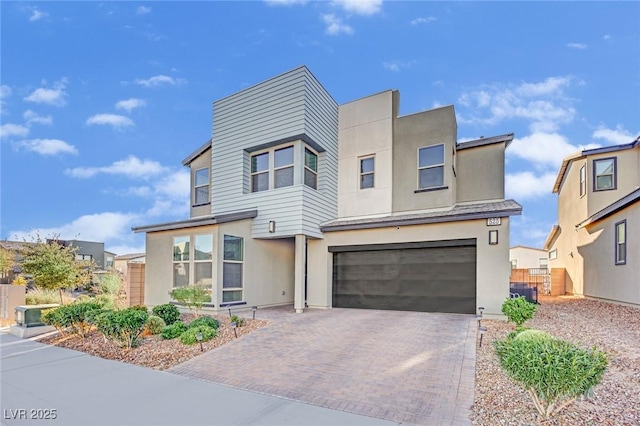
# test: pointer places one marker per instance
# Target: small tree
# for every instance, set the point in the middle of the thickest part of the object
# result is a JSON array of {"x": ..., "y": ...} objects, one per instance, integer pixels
[
  {"x": 54, "y": 266},
  {"x": 192, "y": 297},
  {"x": 7, "y": 260},
  {"x": 518, "y": 310}
]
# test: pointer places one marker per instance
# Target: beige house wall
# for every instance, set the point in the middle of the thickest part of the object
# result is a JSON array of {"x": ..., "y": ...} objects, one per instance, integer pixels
[
  {"x": 200, "y": 162},
  {"x": 492, "y": 274},
  {"x": 365, "y": 128},
  {"x": 268, "y": 265},
  {"x": 604, "y": 279},
  {"x": 480, "y": 173},
  {"x": 527, "y": 257}
]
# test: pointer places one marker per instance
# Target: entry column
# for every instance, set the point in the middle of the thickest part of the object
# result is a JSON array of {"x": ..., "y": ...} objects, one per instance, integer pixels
[{"x": 300, "y": 262}]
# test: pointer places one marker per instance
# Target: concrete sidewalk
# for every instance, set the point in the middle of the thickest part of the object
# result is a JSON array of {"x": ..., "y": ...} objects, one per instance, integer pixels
[{"x": 86, "y": 390}]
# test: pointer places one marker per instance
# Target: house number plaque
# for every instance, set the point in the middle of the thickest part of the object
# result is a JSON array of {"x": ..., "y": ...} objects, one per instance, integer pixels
[{"x": 493, "y": 221}]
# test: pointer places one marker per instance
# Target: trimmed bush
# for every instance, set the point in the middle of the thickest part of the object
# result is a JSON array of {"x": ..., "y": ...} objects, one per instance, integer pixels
[
  {"x": 168, "y": 312},
  {"x": 189, "y": 336},
  {"x": 239, "y": 321},
  {"x": 140, "y": 308},
  {"x": 554, "y": 372},
  {"x": 174, "y": 330},
  {"x": 76, "y": 318},
  {"x": 518, "y": 310},
  {"x": 154, "y": 325},
  {"x": 123, "y": 327},
  {"x": 206, "y": 321}
]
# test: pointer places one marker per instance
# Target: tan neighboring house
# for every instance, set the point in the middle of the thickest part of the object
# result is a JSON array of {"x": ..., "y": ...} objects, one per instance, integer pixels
[
  {"x": 523, "y": 257},
  {"x": 298, "y": 199},
  {"x": 597, "y": 238}
]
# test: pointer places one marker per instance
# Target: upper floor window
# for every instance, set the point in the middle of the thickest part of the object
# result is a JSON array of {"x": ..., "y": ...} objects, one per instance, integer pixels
[
  {"x": 283, "y": 167},
  {"x": 621, "y": 242},
  {"x": 544, "y": 263},
  {"x": 514, "y": 263},
  {"x": 553, "y": 254},
  {"x": 84, "y": 257},
  {"x": 260, "y": 172},
  {"x": 583, "y": 180},
  {"x": 310, "y": 169},
  {"x": 604, "y": 174},
  {"x": 367, "y": 168},
  {"x": 431, "y": 166},
  {"x": 201, "y": 186}
]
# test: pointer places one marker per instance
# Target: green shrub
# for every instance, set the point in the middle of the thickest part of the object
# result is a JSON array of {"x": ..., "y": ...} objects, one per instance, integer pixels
[
  {"x": 239, "y": 321},
  {"x": 206, "y": 321},
  {"x": 141, "y": 308},
  {"x": 154, "y": 325},
  {"x": 123, "y": 327},
  {"x": 518, "y": 310},
  {"x": 193, "y": 297},
  {"x": 553, "y": 372},
  {"x": 189, "y": 336},
  {"x": 168, "y": 312},
  {"x": 76, "y": 318},
  {"x": 42, "y": 296},
  {"x": 174, "y": 330}
]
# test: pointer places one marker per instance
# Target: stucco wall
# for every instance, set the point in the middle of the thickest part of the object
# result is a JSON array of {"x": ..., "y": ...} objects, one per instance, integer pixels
[
  {"x": 480, "y": 173},
  {"x": 602, "y": 277},
  {"x": 527, "y": 257},
  {"x": 492, "y": 260}
]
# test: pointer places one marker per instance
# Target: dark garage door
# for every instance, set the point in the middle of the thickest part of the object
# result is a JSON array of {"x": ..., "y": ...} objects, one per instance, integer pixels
[{"x": 427, "y": 277}]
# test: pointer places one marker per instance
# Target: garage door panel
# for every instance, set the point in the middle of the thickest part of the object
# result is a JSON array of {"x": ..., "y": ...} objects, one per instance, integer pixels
[{"x": 433, "y": 279}]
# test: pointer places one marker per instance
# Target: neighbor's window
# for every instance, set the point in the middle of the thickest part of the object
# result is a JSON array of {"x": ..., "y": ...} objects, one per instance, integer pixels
[
  {"x": 583, "y": 180},
  {"x": 544, "y": 263},
  {"x": 604, "y": 174},
  {"x": 431, "y": 167},
  {"x": 232, "y": 264},
  {"x": 201, "y": 186},
  {"x": 514, "y": 263},
  {"x": 310, "y": 169},
  {"x": 109, "y": 262},
  {"x": 621, "y": 242},
  {"x": 84, "y": 257},
  {"x": 367, "y": 167},
  {"x": 553, "y": 254},
  {"x": 283, "y": 167},
  {"x": 181, "y": 248},
  {"x": 260, "y": 172}
]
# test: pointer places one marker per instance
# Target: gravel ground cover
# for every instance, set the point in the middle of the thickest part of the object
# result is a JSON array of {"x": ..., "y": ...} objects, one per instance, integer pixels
[
  {"x": 154, "y": 351},
  {"x": 612, "y": 328}
]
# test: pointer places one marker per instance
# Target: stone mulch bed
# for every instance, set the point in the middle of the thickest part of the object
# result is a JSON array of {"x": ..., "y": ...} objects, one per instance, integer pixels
[
  {"x": 612, "y": 328},
  {"x": 154, "y": 351}
]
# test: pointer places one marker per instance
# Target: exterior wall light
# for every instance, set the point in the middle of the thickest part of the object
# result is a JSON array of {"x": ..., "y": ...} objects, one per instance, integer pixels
[
  {"x": 493, "y": 237},
  {"x": 272, "y": 226}
]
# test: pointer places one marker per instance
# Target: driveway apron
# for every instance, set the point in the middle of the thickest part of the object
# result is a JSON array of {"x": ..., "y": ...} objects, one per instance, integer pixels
[{"x": 407, "y": 367}]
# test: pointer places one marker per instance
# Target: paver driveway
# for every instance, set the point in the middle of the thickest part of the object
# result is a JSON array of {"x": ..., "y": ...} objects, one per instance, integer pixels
[{"x": 408, "y": 367}]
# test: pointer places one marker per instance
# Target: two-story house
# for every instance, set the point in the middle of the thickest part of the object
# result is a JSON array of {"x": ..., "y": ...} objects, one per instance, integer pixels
[
  {"x": 596, "y": 239},
  {"x": 298, "y": 199}
]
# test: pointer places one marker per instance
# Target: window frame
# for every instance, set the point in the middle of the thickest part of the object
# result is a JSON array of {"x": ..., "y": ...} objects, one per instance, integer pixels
[
  {"x": 583, "y": 180},
  {"x": 543, "y": 263},
  {"x": 620, "y": 260},
  {"x": 182, "y": 262},
  {"x": 253, "y": 173},
  {"x": 196, "y": 187},
  {"x": 233, "y": 261},
  {"x": 362, "y": 173},
  {"x": 614, "y": 175},
  {"x": 553, "y": 254},
  {"x": 306, "y": 167},
  {"x": 431, "y": 166},
  {"x": 286, "y": 166}
]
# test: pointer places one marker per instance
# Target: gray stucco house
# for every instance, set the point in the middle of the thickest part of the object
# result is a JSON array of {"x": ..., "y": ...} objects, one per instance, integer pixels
[{"x": 298, "y": 199}]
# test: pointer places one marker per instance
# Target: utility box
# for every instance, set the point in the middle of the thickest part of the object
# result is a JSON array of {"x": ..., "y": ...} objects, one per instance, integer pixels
[{"x": 29, "y": 320}]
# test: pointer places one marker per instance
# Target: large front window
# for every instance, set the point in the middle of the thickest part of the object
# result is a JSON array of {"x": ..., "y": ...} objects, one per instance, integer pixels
[
  {"x": 310, "y": 169},
  {"x": 181, "y": 251},
  {"x": 232, "y": 265},
  {"x": 193, "y": 261},
  {"x": 431, "y": 167},
  {"x": 604, "y": 174},
  {"x": 201, "y": 186},
  {"x": 621, "y": 242}
]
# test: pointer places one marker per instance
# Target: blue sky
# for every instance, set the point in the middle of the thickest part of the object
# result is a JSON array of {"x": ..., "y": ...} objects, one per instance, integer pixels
[{"x": 101, "y": 101}]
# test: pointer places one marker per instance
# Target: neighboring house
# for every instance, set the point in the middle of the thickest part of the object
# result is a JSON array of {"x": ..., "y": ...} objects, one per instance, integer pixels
[
  {"x": 13, "y": 248},
  {"x": 132, "y": 268},
  {"x": 597, "y": 238},
  {"x": 298, "y": 199},
  {"x": 523, "y": 257},
  {"x": 122, "y": 262},
  {"x": 90, "y": 250}
]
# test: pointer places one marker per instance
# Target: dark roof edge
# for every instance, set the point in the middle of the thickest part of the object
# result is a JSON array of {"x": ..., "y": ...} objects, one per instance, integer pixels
[
  {"x": 197, "y": 152},
  {"x": 201, "y": 221},
  {"x": 422, "y": 221},
  {"x": 613, "y": 148},
  {"x": 507, "y": 138},
  {"x": 616, "y": 206}
]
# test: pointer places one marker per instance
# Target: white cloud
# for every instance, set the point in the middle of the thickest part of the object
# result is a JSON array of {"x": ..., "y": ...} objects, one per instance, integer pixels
[
  {"x": 47, "y": 146},
  {"x": 36, "y": 15},
  {"x": 5, "y": 92},
  {"x": 55, "y": 96},
  {"x": 425, "y": 20},
  {"x": 31, "y": 117},
  {"x": 114, "y": 120},
  {"x": 550, "y": 86},
  {"x": 544, "y": 150},
  {"x": 131, "y": 167},
  {"x": 359, "y": 7},
  {"x": 159, "y": 80},
  {"x": 396, "y": 66},
  {"x": 607, "y": 37},
  {"x": 9, "y": 130},
  {"x": 527, "y": 185},
  {"x": 284, "y": 2},
  {"x": 143, "y": 10},
  {"x": 175, "y": 185},
  {"x": 579, "y": 46},
  {"x": 130, "y": 104},
  {"x": 335, "y": 26},
  {"x": 616, "y": 136}
]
